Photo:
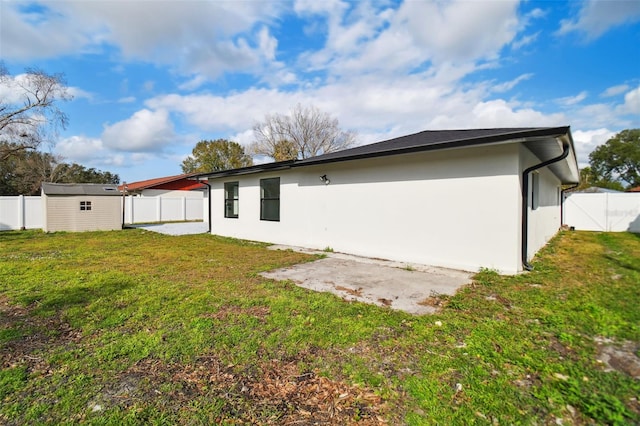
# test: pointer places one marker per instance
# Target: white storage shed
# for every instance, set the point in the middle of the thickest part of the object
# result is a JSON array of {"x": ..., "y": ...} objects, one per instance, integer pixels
[{"x": 81, "y": 207}]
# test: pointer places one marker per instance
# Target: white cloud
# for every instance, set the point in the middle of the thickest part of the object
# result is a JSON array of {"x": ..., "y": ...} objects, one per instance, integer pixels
[
  {"x": 378, "y": 108},
  {"x": 14, "y": 87},
  {"x": 193, "y": 83},
  {"x": 148, "y": 85},
  {"x": 80, "y": 148},
  {"x": 243, "y": 138},
  {"x": 615, "y": 90},
  {"x": 572, "y": 100},
  {"x": 330, "y": 7},
  {"x": 40, "y": 33},
  {"x": 525, "y": 40},
  {"x": 127, "y": 100},
  {"x": 500, "y": 113},
  {"x": 611, "y": 115},
  {"x": 508, "y": 85},
  {"x": 596, "y": 17},
  {"x": 370, "y": 38},
  {"x": 144, "y": 131},
  {"x": 459, "y": 30},
  {"x": 79, "y": 93},
  {"x": 587, "y": 140},
  {"x": 90, "y": 152},
  {"x": 631, "y": 103},
  {"x": 195, "y": 37},
  {"x": 537, "y": 13}
]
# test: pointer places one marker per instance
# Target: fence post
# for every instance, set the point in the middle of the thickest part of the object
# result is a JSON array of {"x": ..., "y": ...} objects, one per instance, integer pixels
[
  {"x": 21, "y": 212},
  {"x": 131, "y": 209},
  {"x": 607, "y": 223}
]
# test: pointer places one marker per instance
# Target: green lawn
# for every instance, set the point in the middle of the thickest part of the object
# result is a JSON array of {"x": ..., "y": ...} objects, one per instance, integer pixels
[{"x": 133, "y": 327}]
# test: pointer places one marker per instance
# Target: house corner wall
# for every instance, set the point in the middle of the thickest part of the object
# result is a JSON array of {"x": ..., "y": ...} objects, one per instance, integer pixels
[{"x": 544, "y": 203}]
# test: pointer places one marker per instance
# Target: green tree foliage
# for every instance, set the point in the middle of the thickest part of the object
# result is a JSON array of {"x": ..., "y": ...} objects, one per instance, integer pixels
[
  {"x": 588, "y": 179},
  {"x": 284, "y": 150},
  {"x": 29, "y": 112},
  {"x": 216, "y": 155},
  {"x": 305, "y": 131},
  {"x": 23, "y": 172},
  {"x": 618, "y": 159},
  {"x": 76, "y": 173}
]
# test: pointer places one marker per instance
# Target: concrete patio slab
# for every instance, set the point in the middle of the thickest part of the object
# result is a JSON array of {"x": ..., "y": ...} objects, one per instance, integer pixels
[
  {"x": 397, "y": 285},
  {"x": 177, "y": 228}
]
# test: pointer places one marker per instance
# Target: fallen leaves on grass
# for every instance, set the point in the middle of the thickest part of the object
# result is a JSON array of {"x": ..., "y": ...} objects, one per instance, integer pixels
[
  {"x": 357, "y": 292},
  {"x": 34, "y": 334},
  {"x": 276, "y": 392},
  {"x": 259, "y": 312}
]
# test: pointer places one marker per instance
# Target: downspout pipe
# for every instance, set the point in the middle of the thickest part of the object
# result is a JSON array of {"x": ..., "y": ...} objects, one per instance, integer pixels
[
  {"x": 208, "y": 201},
  {"x": 566, "y": 148}
]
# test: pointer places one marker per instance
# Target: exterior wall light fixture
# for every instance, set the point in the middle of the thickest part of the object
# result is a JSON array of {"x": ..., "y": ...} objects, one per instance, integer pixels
[{"x": 324, "y": 179}]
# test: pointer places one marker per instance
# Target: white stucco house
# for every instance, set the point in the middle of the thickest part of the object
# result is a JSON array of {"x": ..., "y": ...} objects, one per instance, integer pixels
[{"x": 461, "y": 199}]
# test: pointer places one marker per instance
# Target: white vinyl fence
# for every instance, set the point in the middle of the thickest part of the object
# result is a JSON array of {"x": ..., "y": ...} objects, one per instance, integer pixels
[
  {"x": 613, "y": 212},
  {"x": 161, "y": 209},
  {"x": 26, "y": 212},
  {"x": 20, "y": 212}
]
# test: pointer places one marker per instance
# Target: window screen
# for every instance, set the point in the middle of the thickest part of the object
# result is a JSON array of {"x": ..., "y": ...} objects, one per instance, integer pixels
[
  {"x": 270, "y": 199},
  {"x": 535, "y": 191},
  {"x": 231, "y": 199}
]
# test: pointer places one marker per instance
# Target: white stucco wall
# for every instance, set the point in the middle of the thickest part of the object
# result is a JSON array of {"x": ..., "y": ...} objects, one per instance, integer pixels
[
  {"x": 544, "y": 219},
  {"x": 455, "y": 208}
]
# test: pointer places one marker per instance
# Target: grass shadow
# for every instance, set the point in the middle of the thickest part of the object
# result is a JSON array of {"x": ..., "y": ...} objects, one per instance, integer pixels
[
  {"x": 67, "y": 297},
  {"x": 621, "y": 263}
]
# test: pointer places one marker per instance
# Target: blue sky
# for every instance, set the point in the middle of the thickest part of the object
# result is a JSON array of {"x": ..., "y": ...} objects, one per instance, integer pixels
[{"x": 152, "y": 78}]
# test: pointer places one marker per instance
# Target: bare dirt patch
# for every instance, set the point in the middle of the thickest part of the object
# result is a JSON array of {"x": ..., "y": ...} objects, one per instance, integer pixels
[
  {"x": 276, "y": 392},
  {"x": 259, "y": 312},
  {"x": 619, "y": 357},
  {"x": 33, "y": 335}
]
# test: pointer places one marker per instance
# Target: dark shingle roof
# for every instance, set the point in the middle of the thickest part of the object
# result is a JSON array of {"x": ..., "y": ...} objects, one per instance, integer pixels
[
  {"x": 80, "y": 189},
  {"x": 435, "y": 139},
  {"x": 535, "y": 138}
]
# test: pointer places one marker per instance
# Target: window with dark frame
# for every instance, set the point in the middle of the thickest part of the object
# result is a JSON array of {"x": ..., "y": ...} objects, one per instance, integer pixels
[
  {"x": 270, "y": 199},
  {"x": 85, "y": 205},
  {"x": 231, "y": 199},
  {"x": 535, "y": 191}
]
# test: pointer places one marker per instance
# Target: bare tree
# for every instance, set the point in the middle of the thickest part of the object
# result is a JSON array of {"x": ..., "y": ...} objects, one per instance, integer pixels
[
  {"x": 29, "y": 112},
  {"x": 306, "y": 132}
]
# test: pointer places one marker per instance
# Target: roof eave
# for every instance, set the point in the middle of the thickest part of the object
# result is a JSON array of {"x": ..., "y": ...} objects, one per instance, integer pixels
[
  {"x": 550, "y": 133},
  {"x": 258, "y": 168}
]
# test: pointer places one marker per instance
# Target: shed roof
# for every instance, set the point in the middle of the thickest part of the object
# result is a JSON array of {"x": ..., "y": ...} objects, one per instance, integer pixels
[
  {"x": 542, "y": 141},
  {"x": 177, "y": 182},
  {"x": 80, "y": 189}
]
